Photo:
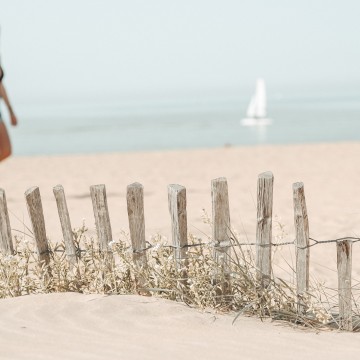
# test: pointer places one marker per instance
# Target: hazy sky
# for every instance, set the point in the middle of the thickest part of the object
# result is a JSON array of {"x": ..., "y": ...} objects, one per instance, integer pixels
[{"x": 107, "y": 48}]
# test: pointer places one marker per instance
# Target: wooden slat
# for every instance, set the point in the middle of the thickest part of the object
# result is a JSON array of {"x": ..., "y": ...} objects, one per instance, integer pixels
[
  {"x": 135, "y": 208},
  {"x": 301, "y": 244},
  {"x": 6, "y": 243},
  {"x": 264, "y": 227},
  {"x": 65, "y": 224},
  {"x": 344, "y": 257},
  {"x": 35, "y": 210},
  {"x": 221, "y": 231},
  {"x": 177, "y": 209},
  {"x": 102, "y": 218}
]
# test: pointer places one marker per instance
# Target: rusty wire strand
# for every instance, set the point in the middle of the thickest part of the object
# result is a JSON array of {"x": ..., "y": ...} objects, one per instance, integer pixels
[
  {"x": 224, "y": 244},
  {"x": 219, "y": 244}
]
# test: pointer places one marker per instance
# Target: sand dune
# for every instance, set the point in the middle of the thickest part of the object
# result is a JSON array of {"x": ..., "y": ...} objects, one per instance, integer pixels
[
  {"x": 74, "y": 326},
  {"x": 59, "y": 326}
]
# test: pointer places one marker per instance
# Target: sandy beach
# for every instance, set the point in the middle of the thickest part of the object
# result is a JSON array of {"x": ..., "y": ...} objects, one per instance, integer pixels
[
  {"x": 74, "y": 326},
  {"x": 107, "y": 326}
]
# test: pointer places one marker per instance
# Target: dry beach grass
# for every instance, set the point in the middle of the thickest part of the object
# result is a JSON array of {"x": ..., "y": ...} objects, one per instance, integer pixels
[{"x": 96, "y": 272}]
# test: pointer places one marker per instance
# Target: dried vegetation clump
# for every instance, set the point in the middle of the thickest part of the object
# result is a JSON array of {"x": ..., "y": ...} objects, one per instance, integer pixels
[{"x": 194, "y": 283}]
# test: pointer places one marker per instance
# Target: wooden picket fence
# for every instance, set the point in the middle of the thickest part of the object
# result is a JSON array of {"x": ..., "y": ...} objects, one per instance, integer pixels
[{"x": 221, "y": 232}]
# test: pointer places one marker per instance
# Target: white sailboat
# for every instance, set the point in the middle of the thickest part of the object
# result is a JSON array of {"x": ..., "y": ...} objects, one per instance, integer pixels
[{"x": 256, "y": 111}]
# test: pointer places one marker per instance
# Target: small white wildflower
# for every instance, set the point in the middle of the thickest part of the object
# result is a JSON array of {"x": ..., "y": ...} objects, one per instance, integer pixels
[
  {"x": 156, "y": 247},
  {"x": 112, "y": 242},
  {"x": 9, "y": 258}
]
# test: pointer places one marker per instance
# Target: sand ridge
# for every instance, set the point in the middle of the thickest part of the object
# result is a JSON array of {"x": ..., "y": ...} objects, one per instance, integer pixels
[{"x": 76, "y": 326}]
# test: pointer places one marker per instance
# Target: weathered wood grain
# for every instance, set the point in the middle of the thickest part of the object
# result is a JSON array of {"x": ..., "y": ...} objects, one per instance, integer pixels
[
  {"x": 35, "y": 210},
  {"x": 65, "y": 224},
  {"x": 221, "y": 231},
  {"x": 6, "y": 243},
  {"x": 135, "y": 208},
  {"x": 177, "y": 209},
  {"x": 301, "y": 244},
  {"x": 344, "y": 259},
  {"x": 102, "y": 218},
  {"x": 264, "y": 227}
]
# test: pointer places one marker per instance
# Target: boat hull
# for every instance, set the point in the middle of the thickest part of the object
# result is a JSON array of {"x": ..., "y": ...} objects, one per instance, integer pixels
[{"x": 255, "y": 121}]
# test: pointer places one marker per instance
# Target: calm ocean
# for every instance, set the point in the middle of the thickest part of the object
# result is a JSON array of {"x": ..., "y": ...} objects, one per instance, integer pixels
[{"x": 93, "y": 127}]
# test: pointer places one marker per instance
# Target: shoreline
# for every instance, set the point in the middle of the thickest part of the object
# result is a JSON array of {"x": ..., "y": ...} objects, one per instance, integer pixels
[{"x": 224, "y": 146}]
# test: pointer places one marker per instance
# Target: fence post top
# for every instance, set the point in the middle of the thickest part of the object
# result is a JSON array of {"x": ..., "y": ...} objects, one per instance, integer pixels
[
  {"x": 98, "y": 186},
  {"x": 266, "y": 175},
  {"x": 176, "y": 187},
  {"x": 58, "y": 187},
  {"x": 220, "y": 179},
  {"x": 31, "y": 190},
  {"x": 298, "y": 185},
  {"x": 344, "y": 246},
  {"x": 135, "y": 185}
]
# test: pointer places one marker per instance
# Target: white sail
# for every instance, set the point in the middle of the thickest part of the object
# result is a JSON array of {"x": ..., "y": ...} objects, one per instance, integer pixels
[
  {"x": 250, "y": 112},
  {"x": 260, "y": 99},
  {"x": 256, "y": 111}
]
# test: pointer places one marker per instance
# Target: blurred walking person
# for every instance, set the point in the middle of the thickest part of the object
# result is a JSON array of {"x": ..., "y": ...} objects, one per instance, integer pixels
[{"x": 5, "y": 145}]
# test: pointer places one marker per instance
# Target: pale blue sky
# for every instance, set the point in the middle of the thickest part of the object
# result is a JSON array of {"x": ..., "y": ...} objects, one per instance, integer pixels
[{"x": 102, "y": 49}]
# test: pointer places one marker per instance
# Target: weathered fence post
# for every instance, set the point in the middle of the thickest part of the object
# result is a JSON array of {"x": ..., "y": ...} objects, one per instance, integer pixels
[
  {"x": 65, "y": 224},
  {"x": 36, "y": 214},
  {"x": 6, "y": 243},
  {"x": 264, "y": 227},
  {"x": 301, "y": 244},
  {"x": 344, "y": 257},
  {"x": 221, "y": 232},
  {"x": 177, "y": 209},
  {"x": 102, "y": 218},
  {"x": 135, "y": 208}
]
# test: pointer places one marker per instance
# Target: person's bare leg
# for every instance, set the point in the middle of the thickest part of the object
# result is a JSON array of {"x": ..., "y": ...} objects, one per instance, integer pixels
[{"x": 5, "y": 145}]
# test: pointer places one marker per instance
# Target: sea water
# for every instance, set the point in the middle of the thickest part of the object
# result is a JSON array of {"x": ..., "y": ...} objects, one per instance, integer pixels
[{"x": 93, "y": 127}]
